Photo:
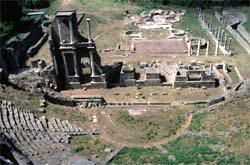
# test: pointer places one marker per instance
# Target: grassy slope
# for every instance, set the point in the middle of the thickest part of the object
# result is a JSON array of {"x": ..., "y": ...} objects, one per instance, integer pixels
[
  {"x": 231, "y": 118},
  {"x": 247, "y": 26}
]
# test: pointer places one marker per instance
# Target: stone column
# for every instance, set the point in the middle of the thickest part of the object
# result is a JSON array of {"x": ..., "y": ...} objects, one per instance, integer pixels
[
  {"x": 92, "y": 64},
  {"x": 221, "y": 37},
  {"x": 225, "y": 41},
  {"x": 52, "y": 53},
  {"x": 89, "y": 30},
  {"x": 229, "y": 44},
  {"x": 198, "y": 47},
  {"x": 218, "y": 33},
  {"x": 211, "y": 25},
  {"x": 203, "y": 21},
  {"x": 190, "y": 47},
  {"x": 65, "y": 65},
  {"x": 217, "y": 47},
  {"x": 75, "y": 64},
  {"x": 210, "y": 69},
  {"x": 59, "y": 31},
  {"x": 40, "y": 66},
  {"x": 71, "y": 31},
  {"x": 208, "y": 45},
  {"x": 224, "y": 21}
]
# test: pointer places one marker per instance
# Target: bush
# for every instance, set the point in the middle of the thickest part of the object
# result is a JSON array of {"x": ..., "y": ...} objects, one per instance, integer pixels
[
  {"x": 78, "y": 149},
  {"x": 35, "y": 3}
]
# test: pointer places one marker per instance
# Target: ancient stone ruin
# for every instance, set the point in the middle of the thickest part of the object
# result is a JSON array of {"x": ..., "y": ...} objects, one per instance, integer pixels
[
  {"x": 194, "y": 75},
  {"x": 35, "y": 140},
  {"x": 72, "y": 53}
]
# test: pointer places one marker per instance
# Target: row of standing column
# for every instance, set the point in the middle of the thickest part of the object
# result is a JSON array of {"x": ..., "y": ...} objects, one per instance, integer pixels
[
  {"x": 198, "y": 48},
  {"x": 220, "y": 38}
]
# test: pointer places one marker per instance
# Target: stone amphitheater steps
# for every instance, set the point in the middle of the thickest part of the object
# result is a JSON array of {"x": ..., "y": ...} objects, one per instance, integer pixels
[{"x": 38, "y": 139}]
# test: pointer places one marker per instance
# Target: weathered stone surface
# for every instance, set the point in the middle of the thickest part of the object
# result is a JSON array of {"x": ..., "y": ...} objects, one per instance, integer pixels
[{"x": 244, "y": 87}]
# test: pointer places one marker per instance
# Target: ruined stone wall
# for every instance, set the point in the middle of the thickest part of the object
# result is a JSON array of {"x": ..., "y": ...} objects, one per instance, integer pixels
[
  {"x": 34, "y": 49},
  {"x": 195, "y": 84}
]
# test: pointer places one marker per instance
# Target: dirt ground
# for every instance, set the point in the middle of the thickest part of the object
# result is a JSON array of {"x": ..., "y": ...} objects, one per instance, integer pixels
[
  {"x": 115, "y": 131},
  {"x": 147, "y": 94}
]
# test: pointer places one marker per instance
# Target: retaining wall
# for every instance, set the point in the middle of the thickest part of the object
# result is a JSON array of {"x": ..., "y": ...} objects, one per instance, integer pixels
[
  {"x": 34, "y": 49},
  {"x": 237, "y": 36},
  {"x": 244, "y": 33}
]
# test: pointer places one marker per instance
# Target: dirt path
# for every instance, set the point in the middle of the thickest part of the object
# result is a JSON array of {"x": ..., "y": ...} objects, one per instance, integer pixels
[{"x": 183, "y": 128}]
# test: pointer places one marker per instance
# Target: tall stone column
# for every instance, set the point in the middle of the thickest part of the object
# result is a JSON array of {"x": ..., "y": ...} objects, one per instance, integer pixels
[
  {"x": 221, "y": 37},
  {"x": 218, "y": 33},
  {"x": 224, "y": 21},
  {"x": 65, "y": 65},
  {"x": 71, "y": 31},
  {"x": 225, "y": 41},
  {"x": 52, "y": 52},
  {"x": 203, "y": 21},
  {"x": 208, "y": 45},
  {"x": 59, "y": 31},
  {"x": 75, "y": 64},
  {"x": 214, "y": 31},
  {"x": 89, "y": 30},
  {"x": 211, "y": 25},
  {"x": 190, "y": 47},
  {"x": 217, "y": 47},
  {"x": 92, "y": 64},
  {"x": 229, "y": 44},
  {"x": 198, "y": 47}
]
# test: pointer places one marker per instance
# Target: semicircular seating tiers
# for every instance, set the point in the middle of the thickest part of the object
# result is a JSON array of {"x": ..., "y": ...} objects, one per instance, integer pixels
[{"x": 39, "y": 139}]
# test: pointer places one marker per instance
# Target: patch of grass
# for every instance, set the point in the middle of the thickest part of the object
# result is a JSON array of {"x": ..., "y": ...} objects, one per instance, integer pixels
[
  {"x": 87, "y": 146},
  {"x": 20, "y": 98},
  {"x": 247, "y": 26},
  {"x": 196, "y": 124},
  {"x": 198, "y": 150},
  {"x": 130, "y": 27},
  {"x": 77, "y": 149},
  {"x": 185, "y": 150},
  {"x": 190, "y": 21},
  {"x": 146, "y": 127},
  {"x": 6, "y": 27},
  {"x": 140, "y": 156},
  {"x": 54, "y": 5},
  {"x": 126, "y": 118}
]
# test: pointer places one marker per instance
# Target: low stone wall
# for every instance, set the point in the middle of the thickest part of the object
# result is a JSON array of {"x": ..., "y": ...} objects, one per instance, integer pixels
[
  {"x": 216, "y": 100},
  {"x": 237, "y": 36},
  {"x": 195, "y": 84},
  {"x": 56, "y": 98},
  {"x": 157, "y": 103}
]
